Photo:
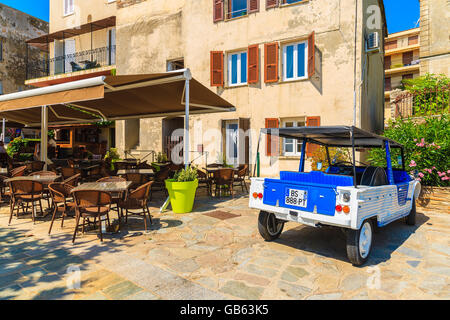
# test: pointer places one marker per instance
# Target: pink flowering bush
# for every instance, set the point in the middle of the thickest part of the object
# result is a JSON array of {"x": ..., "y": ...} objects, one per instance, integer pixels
[{"x": 427, "y": 149}]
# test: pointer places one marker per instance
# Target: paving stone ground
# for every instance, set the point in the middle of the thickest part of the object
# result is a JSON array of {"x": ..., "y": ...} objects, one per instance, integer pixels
[{"x": 195, "y": 256}]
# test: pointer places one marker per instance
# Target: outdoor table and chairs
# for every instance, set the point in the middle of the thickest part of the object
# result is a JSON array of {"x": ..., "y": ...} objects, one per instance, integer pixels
[
  {"x": 94, "y": 199},
  {"x": 116, "y": 196},
  {"x": 62, "y": 202},
  {"x": 223, "y": 179},
  {"x": 146, "y": 172}
]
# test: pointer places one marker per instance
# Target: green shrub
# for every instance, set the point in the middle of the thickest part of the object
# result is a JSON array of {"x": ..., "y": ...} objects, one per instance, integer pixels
[
  {"x": 336, "y": 155},
  {"x": 427, "y": 149},
  {"x": 161, "y": 157},
  {"x": 431, "y": 94},
  {"x": 185, "y": 175},
  {"x": 14, "y": 146}
]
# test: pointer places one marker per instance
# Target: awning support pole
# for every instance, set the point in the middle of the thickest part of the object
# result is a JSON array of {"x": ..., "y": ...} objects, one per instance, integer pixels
[
  {"x": 3, "y": 130},
  {"x": 44, "y": 134},
  {"x": 186, "y": 125}
]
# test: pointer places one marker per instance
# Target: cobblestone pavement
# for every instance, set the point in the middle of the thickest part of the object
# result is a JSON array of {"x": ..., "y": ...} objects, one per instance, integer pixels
[{"x": 196, "y": 256}]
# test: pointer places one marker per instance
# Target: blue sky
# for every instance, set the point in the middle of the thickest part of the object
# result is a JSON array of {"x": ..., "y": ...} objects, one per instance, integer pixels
[
  {"x": 37, "y": 8},
  {"x": 400, "y": 14}
]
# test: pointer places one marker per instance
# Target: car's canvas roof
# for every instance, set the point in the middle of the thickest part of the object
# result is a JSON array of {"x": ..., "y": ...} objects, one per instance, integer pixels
[{"x": 333, "y": 136}]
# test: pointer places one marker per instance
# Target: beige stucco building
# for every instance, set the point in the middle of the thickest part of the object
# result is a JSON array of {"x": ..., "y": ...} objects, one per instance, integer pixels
[
  {"x": 435, "y": 36},
  {"x": 281, "y": 63},
  {"x": 401, "y": 61}
]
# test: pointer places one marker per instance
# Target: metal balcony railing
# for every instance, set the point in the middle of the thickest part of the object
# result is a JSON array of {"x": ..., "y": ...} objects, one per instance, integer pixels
[{"x": 83, "y": 60}]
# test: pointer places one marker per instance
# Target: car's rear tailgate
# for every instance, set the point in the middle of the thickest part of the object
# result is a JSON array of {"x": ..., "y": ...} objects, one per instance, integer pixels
[{"x": 320, "y": 197}]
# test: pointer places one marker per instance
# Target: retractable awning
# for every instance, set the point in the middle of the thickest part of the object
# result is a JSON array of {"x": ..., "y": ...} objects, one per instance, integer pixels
[{"x": 112, "y": 98}]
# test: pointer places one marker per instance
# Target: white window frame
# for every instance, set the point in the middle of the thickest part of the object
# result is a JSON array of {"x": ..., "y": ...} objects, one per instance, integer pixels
[
  {"x": 66, "y": 7},
  {"x": 295, "y": 77},
  {"x": 295, "y": 123},
  {"x": 239, "y": 65}
]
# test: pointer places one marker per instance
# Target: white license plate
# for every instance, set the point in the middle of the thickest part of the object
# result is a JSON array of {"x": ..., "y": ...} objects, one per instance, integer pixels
[{"x": 296, "y": 198}]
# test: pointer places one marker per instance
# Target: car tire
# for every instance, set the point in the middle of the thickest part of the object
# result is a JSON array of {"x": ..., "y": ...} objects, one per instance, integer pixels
[
  {"x": 359, "y": 243},
  {"x": 270, "y": 228},
  {"x": 411, "y": 217}
]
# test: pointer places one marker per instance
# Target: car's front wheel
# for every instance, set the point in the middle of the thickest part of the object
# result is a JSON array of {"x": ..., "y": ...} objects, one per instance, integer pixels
[
  {"x": 269, "y": 226},
  {"x": 359, "y": 243}
]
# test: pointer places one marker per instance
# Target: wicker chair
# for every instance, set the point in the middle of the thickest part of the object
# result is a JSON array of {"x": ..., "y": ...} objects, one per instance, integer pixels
[
  {"x": 240, "y": 177},
  {"x": 136, "y": 200},
  {"x": 35, "y": 166},
  {"x": 137, "y": 179},
  {"x": 17, "y": 172},
  {"x": 223, "y": 179},
  {"x": 28, "y": 192},
  {"x": 73, "y": 180},
  {"x": 204, "y": 181},
  {"x": 62, "y": 201},
  {"x": 91, "y": 204},
  {"x": 69, "y": 172},
  {"x": 159, "y": 181}
]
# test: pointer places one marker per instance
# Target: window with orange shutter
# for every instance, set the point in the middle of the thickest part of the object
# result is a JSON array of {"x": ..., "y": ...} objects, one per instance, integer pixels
[
  {"x": 253, "y": 64},
  {"x": 271, "y": 62},
  {"x": 311, "y": 54},
  {"x": 253, "y": 5},
  {"x": 216, "y": 69},
  {"x": 218, "y": 10},
  {"x": 271, "y": 4},
  {"x": 311, "y": 147},
  {"x": 272, "y": 140}
]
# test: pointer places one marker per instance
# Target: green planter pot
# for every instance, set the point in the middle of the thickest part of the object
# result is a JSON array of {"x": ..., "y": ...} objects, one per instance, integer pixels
[{"x": 182, "y": 195}]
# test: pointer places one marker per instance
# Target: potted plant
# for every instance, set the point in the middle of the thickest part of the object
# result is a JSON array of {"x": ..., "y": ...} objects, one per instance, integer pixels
[{"x": 182, "y": 190}]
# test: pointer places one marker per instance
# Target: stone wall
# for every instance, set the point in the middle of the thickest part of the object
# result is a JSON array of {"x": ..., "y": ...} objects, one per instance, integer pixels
[
  {"x": 435, "y": 198},
  {"x": 16, "y": 27},
  {"x": 434, "y": 36}
]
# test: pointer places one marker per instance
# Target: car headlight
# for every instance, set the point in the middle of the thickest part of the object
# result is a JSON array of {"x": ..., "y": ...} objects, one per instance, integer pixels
[{"x": 346, "y": 197}]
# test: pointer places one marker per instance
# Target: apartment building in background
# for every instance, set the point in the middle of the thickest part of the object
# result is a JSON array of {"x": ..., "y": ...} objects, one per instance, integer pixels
[
  {"x": 435, "y": 36},
  {"x": 281, "y": 63},
  {"x": 15, "y": 28},
  {"x": 401, "y": 61}
]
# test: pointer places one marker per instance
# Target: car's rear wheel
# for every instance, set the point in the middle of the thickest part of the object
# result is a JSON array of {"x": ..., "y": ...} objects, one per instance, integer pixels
[
  {"x": 359, "y": 243},
  {"x": 411, "y": 217},
  {"x": 270, "y": 228}
]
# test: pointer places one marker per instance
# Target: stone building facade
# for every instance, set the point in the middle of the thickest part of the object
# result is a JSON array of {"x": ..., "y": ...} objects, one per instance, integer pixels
[
  {"x": 435, "y": 36},
  {"x": 15, "y": 28}
]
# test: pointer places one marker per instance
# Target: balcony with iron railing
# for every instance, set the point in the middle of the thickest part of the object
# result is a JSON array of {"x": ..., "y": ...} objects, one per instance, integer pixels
[
  {"x": 87, "y": 60},
  {"x": 53, "y": 58}
]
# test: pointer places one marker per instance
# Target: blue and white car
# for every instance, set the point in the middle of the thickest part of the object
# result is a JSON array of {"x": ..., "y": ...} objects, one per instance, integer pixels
[{"x": 355, "y": 197}]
